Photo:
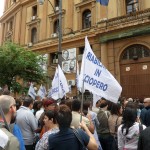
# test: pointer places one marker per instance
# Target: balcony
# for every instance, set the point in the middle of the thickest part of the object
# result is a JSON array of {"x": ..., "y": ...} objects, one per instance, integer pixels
[{"x": 131, "y": 19}]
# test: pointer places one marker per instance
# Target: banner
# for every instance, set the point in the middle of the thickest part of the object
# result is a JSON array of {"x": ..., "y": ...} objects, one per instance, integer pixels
[
  {"x": 96, "y": 78},
  {"x": 32, "y": 92},
  {"x": 42, "y": 92},
  {"x": 59, "y": 85}
]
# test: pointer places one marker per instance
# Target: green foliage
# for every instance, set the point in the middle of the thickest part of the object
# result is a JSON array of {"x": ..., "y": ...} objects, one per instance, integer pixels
[{"x": 15, "y": 61}]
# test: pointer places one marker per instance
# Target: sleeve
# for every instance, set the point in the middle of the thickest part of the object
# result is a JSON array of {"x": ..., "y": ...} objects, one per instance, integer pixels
[
  {"x": 120, "y": 139},
  {"x": 84, "y": 136},
  {"x": 33, "y": 122}
]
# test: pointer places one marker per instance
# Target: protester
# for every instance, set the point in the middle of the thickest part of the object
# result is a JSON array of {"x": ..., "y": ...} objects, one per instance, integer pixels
[
  {"x": 87, "y": 110},
  {"x": 114, "y": 121},
  {"x": 128, "y": 131},
  {"x": 104, "y": 135},
  {"x": 144, "y": 140},
  {"x": 27, "y": 122},
  {"x": 7, "y": 140},
  {"x": 145, "y": 113},
  {"x": 50, "y": 123},
  {"x": 49, "y": 104},
  {"x": 76, "y": 116},
  {"x": 37, "y": 106},
  {"x": 96, "y": 108},
  {"x": 66, "y": 137}
]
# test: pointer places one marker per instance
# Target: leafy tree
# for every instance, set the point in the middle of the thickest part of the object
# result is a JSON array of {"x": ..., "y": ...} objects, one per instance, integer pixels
[{"x": 15, "y": 61}]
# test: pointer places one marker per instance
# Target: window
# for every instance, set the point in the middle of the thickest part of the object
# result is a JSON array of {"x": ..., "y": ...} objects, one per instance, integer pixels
[
  {"x": 56, "y": 3},
  {"x": 86, "y": 19},
  {"x": 34, "y": 35},
  {"x": 34, "y": 10},
  {"x": 53, "y": 58},
  {"x": 135, "y": 51},
  {"x": 132, "y": 6},
  {"x": 10, "y": 25},
  {"x": 56, "y": 26},
  {"x": 81, "y": 50}
]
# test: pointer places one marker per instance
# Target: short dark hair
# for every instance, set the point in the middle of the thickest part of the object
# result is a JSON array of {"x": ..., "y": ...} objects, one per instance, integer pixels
[
  {"x": 27, "y": 101},
  {"x": 51, "y": 115},
  {"x": 64, "y": 116},
  {"x": 76, "y": 104}
]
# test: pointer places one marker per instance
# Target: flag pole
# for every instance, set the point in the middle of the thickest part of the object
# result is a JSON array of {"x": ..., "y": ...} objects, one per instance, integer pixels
[{"x": 82, "y": 100}]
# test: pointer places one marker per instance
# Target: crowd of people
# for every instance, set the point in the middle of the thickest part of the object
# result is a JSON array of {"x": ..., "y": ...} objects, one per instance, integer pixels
[{"x": 44, "y": 124}]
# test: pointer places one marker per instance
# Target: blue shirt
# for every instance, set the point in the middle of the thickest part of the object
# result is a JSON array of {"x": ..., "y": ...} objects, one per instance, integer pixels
[{"x": 65, "y": 139}]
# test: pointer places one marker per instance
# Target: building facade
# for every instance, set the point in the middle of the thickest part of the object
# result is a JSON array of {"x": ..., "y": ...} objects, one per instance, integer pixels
[{"x": 119, "y": 35}]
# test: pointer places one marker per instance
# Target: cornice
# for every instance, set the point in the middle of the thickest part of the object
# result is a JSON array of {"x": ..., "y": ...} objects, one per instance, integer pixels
[
  {"x": 16, "y": 6},
  {"x": 83, "y": 3}
]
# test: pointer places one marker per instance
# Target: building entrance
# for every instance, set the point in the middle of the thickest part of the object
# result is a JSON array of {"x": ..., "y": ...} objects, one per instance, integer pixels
[{"x": 135, "y": 72}]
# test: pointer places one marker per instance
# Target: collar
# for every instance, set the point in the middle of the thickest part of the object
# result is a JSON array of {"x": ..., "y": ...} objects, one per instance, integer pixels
[{"x": 23, "y": 107}]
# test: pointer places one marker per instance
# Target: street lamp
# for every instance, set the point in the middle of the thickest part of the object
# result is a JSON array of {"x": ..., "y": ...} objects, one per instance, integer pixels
[{"x": 41, "y": 2}]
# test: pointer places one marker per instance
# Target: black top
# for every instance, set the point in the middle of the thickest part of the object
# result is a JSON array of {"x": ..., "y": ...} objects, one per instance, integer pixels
[
  {"x": 144, "y": 140},
  {"x": 65, "y": 139}
]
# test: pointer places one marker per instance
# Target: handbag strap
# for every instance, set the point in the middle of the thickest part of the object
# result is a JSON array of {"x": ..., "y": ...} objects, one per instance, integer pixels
[{"x": 78, "y": 137}]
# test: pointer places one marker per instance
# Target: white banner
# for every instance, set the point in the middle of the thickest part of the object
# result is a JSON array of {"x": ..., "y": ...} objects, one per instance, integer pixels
[
  {"x": 32, "y": 92},
  {"x": 59, "y": 85},
  {"x": 97, "y": 79},
  {"x": 42, "y": 91}
]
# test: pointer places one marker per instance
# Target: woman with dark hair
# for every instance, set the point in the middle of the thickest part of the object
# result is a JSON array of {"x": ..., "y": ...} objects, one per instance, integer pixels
[
  {"x": 51, "y": 124},
  {"x": 114, "y": 121},
  {"x": 128, "y": 131},
  {"x": 66, "y": 138},
  {"x": 115, "y": 118}
]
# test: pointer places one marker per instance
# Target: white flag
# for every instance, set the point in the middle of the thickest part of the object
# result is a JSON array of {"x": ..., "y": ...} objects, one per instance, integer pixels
[
  {"x": 42, "y": 91},
  {"x": 96, "y": 77},
  {"x": 32, "y": 92},
  {"x": 59, "y": 85}
]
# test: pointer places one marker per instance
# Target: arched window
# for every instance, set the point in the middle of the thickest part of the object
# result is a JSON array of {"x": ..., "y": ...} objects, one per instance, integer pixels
[
  {"x": 86, "y": 19},
  {"x": 135, "y": 51},
  {"x": 132, "y": 6},
  {"x": 56, "y": 26},
  {"x": 56, "y": 3},
  {"x": 34, "y": 35}
]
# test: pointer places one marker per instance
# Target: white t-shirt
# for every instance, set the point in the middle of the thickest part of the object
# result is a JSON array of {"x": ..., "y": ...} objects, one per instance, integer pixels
[{"x": 129, "y": 141}]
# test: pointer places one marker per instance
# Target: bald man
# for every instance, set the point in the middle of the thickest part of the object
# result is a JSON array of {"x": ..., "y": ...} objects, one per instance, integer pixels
[
  {"x": 8, "y": 106},
  {"x": 145, "y": 113}
]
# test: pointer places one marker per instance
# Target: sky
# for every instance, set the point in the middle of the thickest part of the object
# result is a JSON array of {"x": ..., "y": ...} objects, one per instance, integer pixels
[{"x": 1, "y": 7}]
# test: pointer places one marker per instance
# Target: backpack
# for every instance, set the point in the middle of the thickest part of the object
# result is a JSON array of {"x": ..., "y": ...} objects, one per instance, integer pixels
[{"x": 15, "y": 130}]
